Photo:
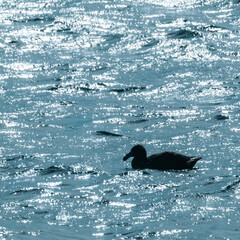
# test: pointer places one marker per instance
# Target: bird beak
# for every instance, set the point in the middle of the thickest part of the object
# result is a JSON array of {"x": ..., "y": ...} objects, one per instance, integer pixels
[{"x": 127, "y": 156}]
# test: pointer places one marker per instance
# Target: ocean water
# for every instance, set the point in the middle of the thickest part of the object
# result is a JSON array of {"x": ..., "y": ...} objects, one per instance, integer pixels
[{"x": 81, "y": 82}]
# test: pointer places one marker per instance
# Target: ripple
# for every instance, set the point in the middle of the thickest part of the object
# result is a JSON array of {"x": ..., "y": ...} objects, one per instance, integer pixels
[
  {"x": 111, "y": 40},
  {"x": 108, "y": 134},
  {"x": 27, "y": 191},
  {"x": 213, "y": 28},
  {"x": 34, "y": 19},
  {"x": 84, "y": 87},
  {"x": 128, "y": 89},
  {"x": 15, "y": 158},
  {"x": 221, "y": 117},
  {"x": 56, "y": 169},
  {"x": 184, "y": 34},
  {"x": 151, "y": 43},
  {"x": 138, "y": 121},
  {"x": 78, "y": 77},
  {"x": 231, "y": 186},
  {"x": 68, "y": 170}
]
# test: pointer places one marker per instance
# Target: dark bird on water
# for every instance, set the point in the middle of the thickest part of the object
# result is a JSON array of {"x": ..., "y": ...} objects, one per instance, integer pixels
[{"x": 160, "y": 161}]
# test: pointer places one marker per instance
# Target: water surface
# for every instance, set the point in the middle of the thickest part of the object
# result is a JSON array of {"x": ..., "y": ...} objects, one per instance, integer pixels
[{"x": 81, "y": 82}]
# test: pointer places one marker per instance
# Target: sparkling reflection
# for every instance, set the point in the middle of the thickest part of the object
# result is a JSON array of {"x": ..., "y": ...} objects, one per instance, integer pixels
[{"x": 81, "y": 82}]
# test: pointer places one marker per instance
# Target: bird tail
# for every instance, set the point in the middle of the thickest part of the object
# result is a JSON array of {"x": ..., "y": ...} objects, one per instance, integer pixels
[{"x": 193, "y": 161}]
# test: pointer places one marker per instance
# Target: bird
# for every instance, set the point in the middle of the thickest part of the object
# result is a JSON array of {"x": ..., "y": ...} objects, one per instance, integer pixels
[{"x": 160, "y": 161}]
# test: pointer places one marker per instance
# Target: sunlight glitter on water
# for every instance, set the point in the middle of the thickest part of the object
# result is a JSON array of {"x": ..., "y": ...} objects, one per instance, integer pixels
[{"x": 81, "y": 82}]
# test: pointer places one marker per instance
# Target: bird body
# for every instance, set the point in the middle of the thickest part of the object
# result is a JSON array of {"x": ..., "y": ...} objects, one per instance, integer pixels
[{"x": 161, "y": 161}]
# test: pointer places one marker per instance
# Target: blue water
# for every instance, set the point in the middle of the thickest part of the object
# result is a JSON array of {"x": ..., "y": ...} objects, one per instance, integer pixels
[{"x": 81, "y": 82}]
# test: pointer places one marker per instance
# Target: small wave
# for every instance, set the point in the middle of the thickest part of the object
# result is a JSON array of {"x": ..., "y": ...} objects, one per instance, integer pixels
[
  {"x": 76, "y": 88},
  {"x": 41, "y": 212},
  {"x": 220, "y": 117},
  {"x": 128, "y": 89},
  {"x": 152, "y": 115},
  {"x": 132, "y": 172},
  {"x": 212, "y": 28},
  {"x": 88, "y": 87},
  {"x": 110, "y": 40},
  {"x": 15, "y": 158},
  {"x": 103, "y": 201},
  {"x": 109, "y": 134},
  {"x": 54, "y": 88},
  {"x": 137, "y": 121},
  {"x": 27, "y": 190},
  {"x": 35, "y": 19},
  {"x": 67, "y": 103},
  {"x": 151, "y": 43},
  {"x": 113, "y": 37},
  {"x": 82, "y": 87},
  {"x": 56, "y": 169},
  {"x": 184, "y": 34},
  {"x": 14, "y": 42},
  {"x": 67, "y": 170},
  {"x": 215, "y": 184},
  {"x": 231, "y": 186},
  {"x": 65, "y": 30},
  {"x": 98, "y": 68}
]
